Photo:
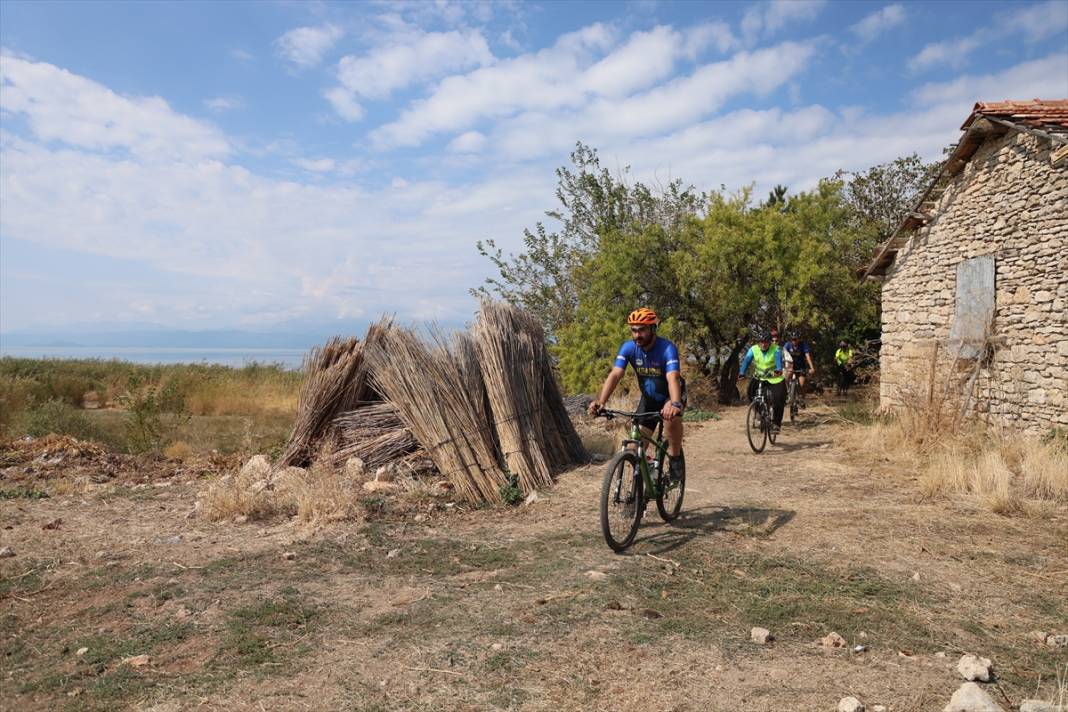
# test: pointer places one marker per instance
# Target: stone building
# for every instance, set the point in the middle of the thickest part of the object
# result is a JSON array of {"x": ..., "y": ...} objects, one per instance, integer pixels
[{"x": 975, "y": 279}]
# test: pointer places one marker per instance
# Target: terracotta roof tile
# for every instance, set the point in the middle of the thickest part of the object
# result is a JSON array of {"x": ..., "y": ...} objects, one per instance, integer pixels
[{"x": 1038, "y": 113}]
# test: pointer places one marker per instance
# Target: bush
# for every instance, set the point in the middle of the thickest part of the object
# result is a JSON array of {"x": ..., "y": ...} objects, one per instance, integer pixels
[{"x": 60, "y": 417}]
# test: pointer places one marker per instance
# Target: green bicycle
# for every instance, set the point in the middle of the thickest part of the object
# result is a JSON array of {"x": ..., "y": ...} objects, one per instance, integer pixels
[{"x": 633, "y": 478}]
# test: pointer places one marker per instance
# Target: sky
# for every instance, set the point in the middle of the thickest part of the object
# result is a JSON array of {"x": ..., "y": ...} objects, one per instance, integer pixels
[{"x": 266, "y": 165}]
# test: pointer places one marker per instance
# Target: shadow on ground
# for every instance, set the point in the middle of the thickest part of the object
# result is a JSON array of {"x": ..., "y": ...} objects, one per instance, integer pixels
[{"x": 704, "y": 521}]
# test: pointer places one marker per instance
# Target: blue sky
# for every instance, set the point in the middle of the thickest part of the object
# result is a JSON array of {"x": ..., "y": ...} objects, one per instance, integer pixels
[{"x": 250, "y": 165}]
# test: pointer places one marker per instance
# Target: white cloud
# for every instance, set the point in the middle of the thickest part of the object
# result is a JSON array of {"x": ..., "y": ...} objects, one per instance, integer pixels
[
  {"x": 950, "y": 53},
  {"x": 1043, "y": 78},
  {"x": 242, "y": 55},
  {"x": 1034, "y": 23},
  {"x": 880, "y": 21},
  {"x": 404, "y": 59},
  {"x": 304, "y": 47},
  {"x": 566, "y": 77},
  {"x": 224, "y": 103},
  {"x": 316, "y": 165},
  {"x": 469, "y": 142},
  {"x": 1039, "y": 21},
  {"x": 764, "y": 19},
  {"x": 65, "y": 107},
  {"x": 709, "y": 33}
]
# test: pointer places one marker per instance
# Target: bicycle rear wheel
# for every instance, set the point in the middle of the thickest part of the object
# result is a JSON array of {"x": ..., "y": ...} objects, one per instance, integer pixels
[
  {"x": 622, "y": 503},
  {"x": 669, "y": 494},
  {"x": 754, "y": 427}
]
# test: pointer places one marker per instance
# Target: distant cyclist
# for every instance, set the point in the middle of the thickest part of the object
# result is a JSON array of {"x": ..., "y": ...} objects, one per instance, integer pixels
[
  {"x": 656, "y": 361},
  {"x": 843, "y": 362},
  {"x": 801, "y": 355},
  {"x": 766, "y": 357}
]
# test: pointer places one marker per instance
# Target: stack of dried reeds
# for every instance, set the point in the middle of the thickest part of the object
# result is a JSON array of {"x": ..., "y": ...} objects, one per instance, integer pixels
[
  {"x": 430, "y": 393},
  {"x": 375, "y": 433},
  {"x": 336, "y": 379}
]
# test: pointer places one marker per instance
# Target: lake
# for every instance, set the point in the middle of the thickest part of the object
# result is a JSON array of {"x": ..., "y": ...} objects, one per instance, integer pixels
[{"x": 237, "y": 357}]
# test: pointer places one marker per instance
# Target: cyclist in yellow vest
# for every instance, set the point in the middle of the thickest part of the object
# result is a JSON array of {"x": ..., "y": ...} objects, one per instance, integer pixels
[
  {"x": 766, "y": 358},
  {"x": 843, "y": 361}
]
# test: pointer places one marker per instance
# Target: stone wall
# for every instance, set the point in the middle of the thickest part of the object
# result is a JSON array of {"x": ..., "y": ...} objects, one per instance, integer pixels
[{"x": 1008, "y": 202}]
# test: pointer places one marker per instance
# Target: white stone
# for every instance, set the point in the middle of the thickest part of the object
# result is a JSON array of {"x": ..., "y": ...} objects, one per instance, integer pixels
[
  {"x": 257, "y": 468},
  {"x": 969, "y": 697},
  {"x": 850, "y": 704},
  {"x": 973, "y": 667},
  {"x": 761, "y": 635},
  {"x": 354, "y": 468}
]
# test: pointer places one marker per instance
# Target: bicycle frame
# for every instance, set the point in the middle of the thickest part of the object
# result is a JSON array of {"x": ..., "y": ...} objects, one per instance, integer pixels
[{"x": 659, "y": 443}]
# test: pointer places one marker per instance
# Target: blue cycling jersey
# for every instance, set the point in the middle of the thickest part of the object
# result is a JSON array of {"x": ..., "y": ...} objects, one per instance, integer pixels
[
  {"x": 652, "y": 365},
  {"x": 798, "y": 354}
]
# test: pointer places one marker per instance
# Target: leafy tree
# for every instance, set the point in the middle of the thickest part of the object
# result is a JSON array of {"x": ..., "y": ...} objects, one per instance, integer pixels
[
  {"x": 543, "y": 277},
  {"x": 883, "y": 194}
]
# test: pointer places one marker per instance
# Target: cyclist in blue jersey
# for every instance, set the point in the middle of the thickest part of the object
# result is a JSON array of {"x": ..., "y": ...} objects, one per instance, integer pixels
[
  {"x": 656, "y": 361},
  {"x": 801, "y": 355}
]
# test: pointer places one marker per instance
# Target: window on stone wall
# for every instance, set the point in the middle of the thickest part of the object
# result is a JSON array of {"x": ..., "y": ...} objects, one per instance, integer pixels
[{"x": 973, "y": 316}]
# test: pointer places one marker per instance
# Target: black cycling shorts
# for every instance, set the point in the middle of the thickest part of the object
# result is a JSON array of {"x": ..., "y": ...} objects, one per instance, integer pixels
[{"x": 648, "y": 404}]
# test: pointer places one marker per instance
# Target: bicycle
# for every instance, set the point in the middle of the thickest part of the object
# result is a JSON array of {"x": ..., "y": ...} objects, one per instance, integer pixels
[
  {"x": 793, "y": 394},
  {"x": 632, "y": 479},
  {"x": 759, "y": 417}
]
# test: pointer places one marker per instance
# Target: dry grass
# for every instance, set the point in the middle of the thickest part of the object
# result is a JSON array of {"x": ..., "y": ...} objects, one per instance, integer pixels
[
  {"x": 239, "y": 496},
  {"x": 320, "y": 495}
]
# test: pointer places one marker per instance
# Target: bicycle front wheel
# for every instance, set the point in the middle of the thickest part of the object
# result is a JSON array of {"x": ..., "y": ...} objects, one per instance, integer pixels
[
  {"x": 769, "y": 423},
  {"x": 754, "y": 427},
  {"x": 793, "y": 402},
  {"x": 622, "y": 503},
  {"x": 669, "y": 494}
]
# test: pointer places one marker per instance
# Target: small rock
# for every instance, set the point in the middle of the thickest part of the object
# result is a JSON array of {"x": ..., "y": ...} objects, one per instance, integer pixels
[
  {"x": 878, "y": 708},
  {"x": 1038, "y": 636},
  {"x": 376, "y": 486},
  {"x": 850, "y": 704},
  {"x": 81, "y": 651},
  {"x": 940, "y": 654},
  {"x": 761, "y": 635},
  {"x": 54, "y": 524},
  {"x": 498, "y": 587},
  {"x": 419, "y": 518},
  {"x": 393, "y": 554},
  {"x": 833, "y": 640},
  {"x": 916, "y": 576},
  {"x": 1040, "y": 706},
  {"x": 1057, "y": 640},
  {"x": 531, "y": 499},
  {"x": 652, "y": 614},
  {"x": 597, "y": 575},
  {"x": 969, "y": 697},
  {"x": 6, "y": 552},
  {"x": 972, "y": 667},
  {"x": 860, "y": 648},
  {"x": 354, "y": 468},
  {"x": 241, "y": 519},
  {"x": 289, "y": 555},
  {"x": 497, "y": 646},
  {"x": 256, "y": 468},
  {"x": 137, "y": 660},
  {"x": 384, "y": 474}
]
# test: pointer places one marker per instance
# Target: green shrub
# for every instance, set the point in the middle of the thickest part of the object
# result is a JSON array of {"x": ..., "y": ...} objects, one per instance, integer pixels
[
  {"x": 59, "y": 417},
  {"x": 510, "y": 492}
]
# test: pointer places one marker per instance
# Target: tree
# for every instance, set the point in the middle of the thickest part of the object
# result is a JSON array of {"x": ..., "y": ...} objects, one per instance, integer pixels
[
  {"x": 593, "y": 203},
  {"x": 883, "y": 194}
]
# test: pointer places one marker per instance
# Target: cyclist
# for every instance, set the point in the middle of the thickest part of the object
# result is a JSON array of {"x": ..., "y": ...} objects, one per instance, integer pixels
[
  {"x": 801, "y": 356},
  {"x": 843, "y": 361},
  {"x": 656, "y": 361},
  {"x": 766, "y": 357}
]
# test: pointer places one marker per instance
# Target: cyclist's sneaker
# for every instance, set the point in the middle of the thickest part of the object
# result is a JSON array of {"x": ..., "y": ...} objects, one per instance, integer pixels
[
  {"x": 775, "y": 429},
  {"x": 802, "y": 404},
  {"x": 675, "y": 469}
]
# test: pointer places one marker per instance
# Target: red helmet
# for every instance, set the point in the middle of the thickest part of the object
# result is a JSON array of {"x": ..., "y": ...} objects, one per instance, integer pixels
[{"x": 643, "y": 316}]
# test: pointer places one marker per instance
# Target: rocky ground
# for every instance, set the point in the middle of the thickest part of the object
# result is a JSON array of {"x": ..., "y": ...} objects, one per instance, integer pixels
[{"x": 114, "y": 596}]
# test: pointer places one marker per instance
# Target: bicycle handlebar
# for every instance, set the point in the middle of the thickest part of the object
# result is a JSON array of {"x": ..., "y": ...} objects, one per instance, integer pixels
[{"x": 609, "y": 414}]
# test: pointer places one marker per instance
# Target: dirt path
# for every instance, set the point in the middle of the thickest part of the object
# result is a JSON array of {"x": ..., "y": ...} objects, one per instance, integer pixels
[{"x": 528, "y": 609}]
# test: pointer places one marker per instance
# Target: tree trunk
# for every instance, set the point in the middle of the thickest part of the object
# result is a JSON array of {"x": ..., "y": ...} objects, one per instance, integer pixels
[{"x": 728, "y": 381}]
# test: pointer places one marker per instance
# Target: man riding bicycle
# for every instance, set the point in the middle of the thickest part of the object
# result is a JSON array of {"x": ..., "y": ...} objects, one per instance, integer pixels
[
  {"x": 766, "y": 359},
  {"x": 656, "y": 362},
  {"x": 801, "y": 356}
]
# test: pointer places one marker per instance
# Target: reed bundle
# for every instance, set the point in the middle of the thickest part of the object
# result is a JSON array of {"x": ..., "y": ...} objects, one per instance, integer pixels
[
  {"x": 428, "y": 392},
  {"x": 513, "y": 378},
  {"x": 375, "y": 433},
  {"x": 336, "y": 379}
]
